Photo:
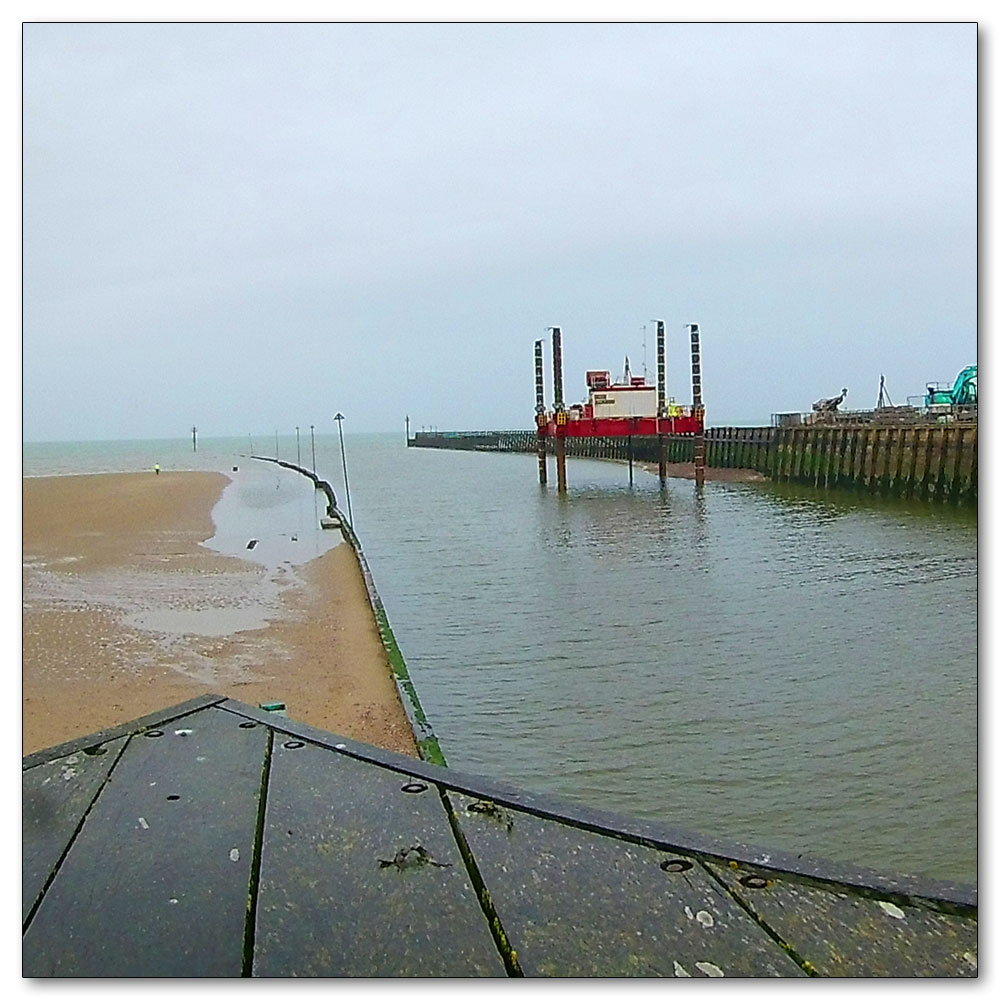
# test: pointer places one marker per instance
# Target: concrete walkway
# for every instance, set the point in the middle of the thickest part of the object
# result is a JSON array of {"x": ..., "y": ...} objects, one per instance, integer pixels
[{"x": 217, "y": 839}]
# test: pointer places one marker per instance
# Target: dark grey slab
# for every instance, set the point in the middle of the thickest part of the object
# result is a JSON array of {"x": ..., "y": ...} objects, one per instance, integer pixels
[
  {"x": 156, "y": 883},
  {"x": 665, "y": 835},
  {"x": 150, "y": 872},
  {"x": 55, "y": 797},
  {"x": 144, "y": 722},
  {"x": 577, "y": 903},
  {"x": 843, "y": 933},
  {"x": 343, "y": 889}
]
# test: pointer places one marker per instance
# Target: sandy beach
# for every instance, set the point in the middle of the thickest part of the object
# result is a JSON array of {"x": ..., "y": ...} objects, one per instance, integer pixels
[{"x": 125, "y": 613}]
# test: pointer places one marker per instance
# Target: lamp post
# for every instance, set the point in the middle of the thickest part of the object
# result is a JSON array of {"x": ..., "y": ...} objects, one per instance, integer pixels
[{"x": 343, "y": 457}]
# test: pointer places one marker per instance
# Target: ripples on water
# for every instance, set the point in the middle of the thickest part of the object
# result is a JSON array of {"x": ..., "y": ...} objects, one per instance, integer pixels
[{"x": 788, "y": 667}]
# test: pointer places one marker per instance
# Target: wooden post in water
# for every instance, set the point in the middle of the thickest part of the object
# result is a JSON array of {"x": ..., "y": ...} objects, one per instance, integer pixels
[
  {"x": 697, "y": 407},
  {"x": 951, "y": 466},
  {"x": 935, "y": 462},
  {"x": 969, "y": 465},
  {"x": 194, "y": 438},
  {"x": 557, "y": 378},
  {"x": 920, "y": 463},
  {"x": 541, "y": 424},
  {"x": 661, "y": 397}
]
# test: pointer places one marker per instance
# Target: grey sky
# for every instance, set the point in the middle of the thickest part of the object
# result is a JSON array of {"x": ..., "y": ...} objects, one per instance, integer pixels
[{"x": 249, "y": 227}]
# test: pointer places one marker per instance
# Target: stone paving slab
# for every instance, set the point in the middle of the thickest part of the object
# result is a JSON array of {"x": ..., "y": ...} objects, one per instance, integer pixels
[
  {"x": 156, "y": 881},
  {"x": 839, "y": 933},
  {"x": 216, "y": 839},
  {"x": 55, "y": 798},
  {"x": 361, "y": 875},
  {"x": 575, "y": 903}
]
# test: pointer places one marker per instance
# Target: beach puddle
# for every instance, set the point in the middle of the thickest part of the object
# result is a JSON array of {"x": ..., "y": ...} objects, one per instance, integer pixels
[
  {"x": 270, "y": 516},
  {"x": 202, "y": 621},
  {"x": 171, "y": 603}
]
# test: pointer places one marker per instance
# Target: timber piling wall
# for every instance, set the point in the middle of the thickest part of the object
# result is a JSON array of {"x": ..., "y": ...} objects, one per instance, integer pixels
[{"x": 935, "y": 462}]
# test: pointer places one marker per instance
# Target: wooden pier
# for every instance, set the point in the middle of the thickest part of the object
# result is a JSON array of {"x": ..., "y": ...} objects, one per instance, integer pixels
[
  {"x": 935, "y": 462},
  {"x": 218, "y": 839}
]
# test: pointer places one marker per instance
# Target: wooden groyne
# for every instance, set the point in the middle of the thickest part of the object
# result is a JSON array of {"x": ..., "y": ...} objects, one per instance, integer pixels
[{"x": 935, "y": 462}]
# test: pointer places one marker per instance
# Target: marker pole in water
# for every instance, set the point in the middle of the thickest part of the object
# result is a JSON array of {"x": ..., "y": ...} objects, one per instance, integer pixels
[
  {"x": 540, "y": 421},
  {"x": 298, "y": 450},
  {"x": 343, "y": 457},
  {"x": 312, "y": 436},
  {"x": 557, "y": 379},
  {"x": 661, "y": 396},
  {"x": 697, "y": 406}
]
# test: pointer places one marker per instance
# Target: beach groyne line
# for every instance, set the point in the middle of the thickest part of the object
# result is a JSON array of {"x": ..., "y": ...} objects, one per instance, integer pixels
[
  {"x": 423, "y": 731},
  {"x": 932, "y": 462}
]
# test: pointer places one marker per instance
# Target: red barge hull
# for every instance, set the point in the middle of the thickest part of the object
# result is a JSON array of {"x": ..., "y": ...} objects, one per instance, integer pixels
[{"x": 622, "y": 426}]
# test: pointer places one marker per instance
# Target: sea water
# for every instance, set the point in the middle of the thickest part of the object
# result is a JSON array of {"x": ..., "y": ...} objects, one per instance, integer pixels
[{"x": 790, "y": 667}]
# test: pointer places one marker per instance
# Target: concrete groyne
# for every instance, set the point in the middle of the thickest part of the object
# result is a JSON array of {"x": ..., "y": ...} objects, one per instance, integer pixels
[
  {"x": 933, "y": 462},
  {"x": 423, "y": 732}
]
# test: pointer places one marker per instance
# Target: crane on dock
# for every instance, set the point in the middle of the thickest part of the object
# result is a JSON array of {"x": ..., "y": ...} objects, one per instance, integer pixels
[{"x": 830, "y": 405}]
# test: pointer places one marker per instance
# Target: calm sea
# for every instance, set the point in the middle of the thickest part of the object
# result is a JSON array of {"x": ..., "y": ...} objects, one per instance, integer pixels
[{"x": 790, "y": 667}]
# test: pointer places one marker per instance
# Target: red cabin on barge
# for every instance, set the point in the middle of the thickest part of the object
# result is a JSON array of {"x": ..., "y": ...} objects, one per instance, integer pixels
[{"x": 621, "y": 409}]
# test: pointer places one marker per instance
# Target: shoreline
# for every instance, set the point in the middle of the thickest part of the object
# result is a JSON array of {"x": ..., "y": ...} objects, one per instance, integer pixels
[
  {"x": 685, "y": 470},
  {"x": 126, "y": 612}
]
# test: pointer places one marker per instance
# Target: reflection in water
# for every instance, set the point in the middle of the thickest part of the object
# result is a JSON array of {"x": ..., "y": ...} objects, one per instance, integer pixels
[
  {"x": 279, "y": 509},
  {"x": 797, "y": 670}
]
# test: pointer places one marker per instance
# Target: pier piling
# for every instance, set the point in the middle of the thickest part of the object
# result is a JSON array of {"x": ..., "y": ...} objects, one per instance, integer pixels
[
  {"x": 906, "y": 463},
  {"x": 697, "y": 405},
  {"x": 540, "y": 422},
  {"x": 560, "y": 409},
  {"x": 661, "y": 397}
]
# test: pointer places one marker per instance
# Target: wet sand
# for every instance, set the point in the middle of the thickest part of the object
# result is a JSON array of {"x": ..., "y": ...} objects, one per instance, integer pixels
[
  {"x": 685, "y": 470},
  {"x": 125, "y": 613}
]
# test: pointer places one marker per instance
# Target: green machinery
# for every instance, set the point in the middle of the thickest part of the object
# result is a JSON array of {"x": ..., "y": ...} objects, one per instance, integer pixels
[{"x": 965, "y": 391}]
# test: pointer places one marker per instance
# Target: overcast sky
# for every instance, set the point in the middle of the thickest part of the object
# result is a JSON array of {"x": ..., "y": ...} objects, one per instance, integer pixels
[{"x": 251, "y": 227}]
